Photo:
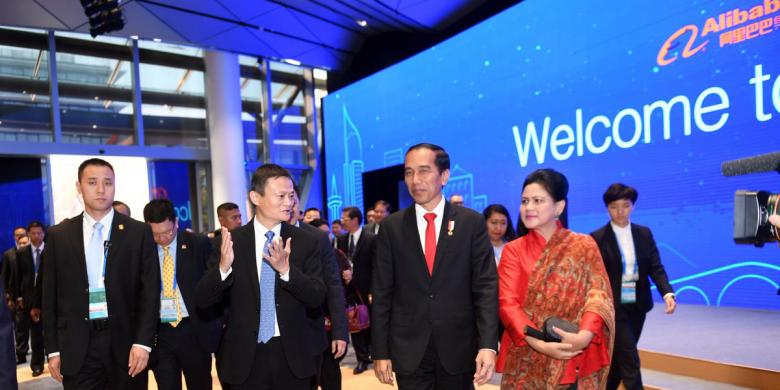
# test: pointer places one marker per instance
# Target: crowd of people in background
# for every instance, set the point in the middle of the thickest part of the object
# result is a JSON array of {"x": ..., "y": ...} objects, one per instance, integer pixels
[{"x": 424, "y": 294}]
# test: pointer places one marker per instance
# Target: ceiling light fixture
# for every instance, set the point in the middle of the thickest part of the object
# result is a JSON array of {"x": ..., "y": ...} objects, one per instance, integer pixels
[
  {"x": 134, "y": 37},
  {"x": 362, "y": 22},
  {"x": 158, "y": 40},
  {"x": 292, "y": 61}
]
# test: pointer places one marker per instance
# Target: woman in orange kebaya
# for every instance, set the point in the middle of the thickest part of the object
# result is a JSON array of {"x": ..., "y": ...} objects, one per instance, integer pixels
[{"x": 553, "y": 272}]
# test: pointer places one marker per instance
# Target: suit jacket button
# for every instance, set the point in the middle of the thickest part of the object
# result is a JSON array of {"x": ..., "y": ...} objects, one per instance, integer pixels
[{"x": 432, "y": 296}]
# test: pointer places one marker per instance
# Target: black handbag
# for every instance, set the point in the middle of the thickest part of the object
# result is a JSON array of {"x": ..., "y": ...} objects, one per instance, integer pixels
[{"x": 547, "y": 334}]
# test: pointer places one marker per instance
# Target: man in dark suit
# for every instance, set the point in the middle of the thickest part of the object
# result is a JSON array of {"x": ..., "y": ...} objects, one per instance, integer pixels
[
  {"x": 101, "y": 291},
  {"x": 28, "y": 314},
  {"x": 359, "y": 245},
  {"x": 630, "y": 256},
  {"x": 186, "y": 335},
  {"x": 271, "y": 273},
  {"x": 381, "y": 210},
  {"x": 7, "y": 360},
  {"x": 434, "y": 286},
  {"x": 8, "y": 274},
  {"x": 334, "y": 302}
]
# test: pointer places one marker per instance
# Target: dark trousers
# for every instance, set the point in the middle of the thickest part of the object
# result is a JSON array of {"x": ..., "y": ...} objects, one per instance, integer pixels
[
  {"x": 361, "y": 341},
  {"x": 625, "y": 357},
  {"x": 177, "y": 351},
  {"x": 270, "y": 370},
  {"x": 330, "y": 372},
  {"x": 22, "y": 332},
  {"x": 100, "y": 369},
  {"x": 7, "y": 355},
  {"x": 431, "y": 375}
]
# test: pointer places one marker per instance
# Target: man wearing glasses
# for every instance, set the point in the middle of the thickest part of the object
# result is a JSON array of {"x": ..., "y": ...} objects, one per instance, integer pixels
[{"x": 186, "y": 335}]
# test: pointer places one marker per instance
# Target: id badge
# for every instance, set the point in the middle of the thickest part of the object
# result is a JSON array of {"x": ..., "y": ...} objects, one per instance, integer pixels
[
  {"x": 168, "y": 312},
  {"x": 628, "y": 292},
  {"x": 98, "y": 306}
]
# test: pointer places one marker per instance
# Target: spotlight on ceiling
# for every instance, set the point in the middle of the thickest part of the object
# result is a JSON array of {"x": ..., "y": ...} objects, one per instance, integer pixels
[
  {"x": 104, "y": 16},
  {"x": 362, "y": 22},
  {"x": 292, "y": 61}
]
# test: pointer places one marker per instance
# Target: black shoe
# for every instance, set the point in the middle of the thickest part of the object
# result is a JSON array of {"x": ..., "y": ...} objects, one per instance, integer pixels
[
  {"x": 37, "y": 372},
  {"x": 361, "y": 366}
]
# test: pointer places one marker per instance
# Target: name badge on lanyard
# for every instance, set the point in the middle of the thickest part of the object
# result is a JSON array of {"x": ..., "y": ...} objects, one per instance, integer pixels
[
  {"x": 168, "y": 311},
  {"x": 98, "y": 304}
]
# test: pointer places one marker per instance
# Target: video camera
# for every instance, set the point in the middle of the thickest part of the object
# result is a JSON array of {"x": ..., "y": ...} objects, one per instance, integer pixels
[{"x": 752, "y": 209}]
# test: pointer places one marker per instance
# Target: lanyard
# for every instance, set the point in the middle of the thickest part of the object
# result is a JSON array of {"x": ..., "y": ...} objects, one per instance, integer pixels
[{"x": 106, "y": 245}]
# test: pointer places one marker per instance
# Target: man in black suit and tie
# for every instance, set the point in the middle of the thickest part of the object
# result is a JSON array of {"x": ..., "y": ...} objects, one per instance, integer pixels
[
  {"x": 186, "y": 335},
  {"x": 8, "y": 273},
  {"x": 435, "y": 286},
  {"x": 29, "y": 327},
  {"x": 101, "y": 291},
  {"x": 381, "y": 210},
  {"x": 359, "y": 245},
  {"x": 271, "y": 273},
  {"x": 630, "y": 256}
]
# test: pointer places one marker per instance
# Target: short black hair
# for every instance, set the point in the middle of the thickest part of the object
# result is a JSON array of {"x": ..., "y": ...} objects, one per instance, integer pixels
[
  {"x": 94, "y": 161},
  {"x": 119, "y": 203},
  {"x": 442, "y": 159},
  {"x": 158, "y": 211},
  {"x": 19, "y": 227},
  {"x": 617, "y": 191},
  {"x": 510, "y": 234},
  {"x": 388, "y": 208},
  {"x": 554, "y": 182},
  {"x": 268, "y": 171},
  {"x": 317, "y": 222},
  {"x": 312, "y": 209},
  {"x": 36, "y": 224},
  {"x": 336, "y": 222},
  {"x": 227, "y": 206},
  {"x": 353, "y": 212}
]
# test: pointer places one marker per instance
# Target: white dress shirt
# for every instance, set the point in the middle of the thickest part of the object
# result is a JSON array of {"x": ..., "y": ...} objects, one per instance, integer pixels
[
  {"x": 625, "y": 242},
  {"x": 422, "y": 224}
]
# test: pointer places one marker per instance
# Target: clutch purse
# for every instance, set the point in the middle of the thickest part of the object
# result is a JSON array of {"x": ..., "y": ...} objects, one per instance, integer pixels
[{"x": 547, "y": 334}]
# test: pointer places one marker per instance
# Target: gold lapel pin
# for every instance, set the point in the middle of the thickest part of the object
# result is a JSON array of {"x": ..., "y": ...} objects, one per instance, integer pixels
[
  {"x": 183, "y": 246},
  {"x": 450, "y": 227},
  {"x": 121, "y": 226}
]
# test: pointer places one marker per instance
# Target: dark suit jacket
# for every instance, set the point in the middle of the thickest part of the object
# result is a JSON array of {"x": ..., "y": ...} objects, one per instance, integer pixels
[
  {"x": 362, "y": 260},
  {"x": 7, "y": 353},
  {"x": 132, "y": 290},
  {"x": 297, "y": 305},
  {"x": 331, "y": 275},
  {"x": 649, "y": 264},
  {"x": 8, "y": 272},
  {"x": 192, "y": 261},
  {"x": 456, "y": 308},
  {"x": 25, "y": 276}
]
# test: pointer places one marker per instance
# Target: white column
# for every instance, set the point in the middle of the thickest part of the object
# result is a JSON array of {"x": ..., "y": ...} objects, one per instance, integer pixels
[{"x": 226, "y": 139}]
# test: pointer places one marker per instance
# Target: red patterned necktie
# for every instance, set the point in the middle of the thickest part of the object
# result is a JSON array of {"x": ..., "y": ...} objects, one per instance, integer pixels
[{"x": 430, "y": 241}]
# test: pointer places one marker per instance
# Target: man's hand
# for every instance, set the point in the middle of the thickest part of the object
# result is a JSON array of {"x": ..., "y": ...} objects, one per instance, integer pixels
[
  {"x": 11, "y": 304},
  {"x": 338, "y": 348},
  {"x": 20, "y": 303},
  {"x": 383, "y": 369},
  {"x": 774, "y": 219},
  {"x": 226, "y": 251},
  {"x": 137, "y": 361},
  {"x": 54, "y": 368},
  {"x": 560, "y": 351},
  {"x": 578, "y": 341},
  {"x": 486, "y": 366},
  {"x": 279, "y": 256},
  {"x": 35, "y": 315},
  {"x": 671, "y": 304},
  {"x": 346, "y": 275}
]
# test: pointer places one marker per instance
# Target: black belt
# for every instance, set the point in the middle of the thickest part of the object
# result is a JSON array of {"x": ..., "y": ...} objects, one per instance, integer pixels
[{"x": 99, "y": 324}]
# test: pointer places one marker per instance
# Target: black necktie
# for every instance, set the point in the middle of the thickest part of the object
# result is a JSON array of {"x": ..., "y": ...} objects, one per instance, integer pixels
[
  {"x": 36, "y": 263},
  {"x": 351, "y": 246}
]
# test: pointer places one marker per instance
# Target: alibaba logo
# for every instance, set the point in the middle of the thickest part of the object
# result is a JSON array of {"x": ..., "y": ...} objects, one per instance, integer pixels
[{"x": 672, "y": 43}]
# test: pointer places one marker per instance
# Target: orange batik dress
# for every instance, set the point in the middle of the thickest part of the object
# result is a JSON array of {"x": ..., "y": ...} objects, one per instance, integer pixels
[{"x": 563, "y": 278}]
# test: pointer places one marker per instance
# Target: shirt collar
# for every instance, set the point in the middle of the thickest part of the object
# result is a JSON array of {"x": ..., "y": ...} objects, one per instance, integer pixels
[
  {"x": 43, "y": 243},
  {"x": 106, "y": 221},
  {"x": 618, "y": 229},
  {"x": 438, "y": 210},
  {"x": 260, "y": 230}
]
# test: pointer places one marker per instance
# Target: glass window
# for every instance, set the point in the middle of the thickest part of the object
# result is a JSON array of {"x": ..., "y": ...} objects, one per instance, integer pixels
[
  {"x": 95, "y": 99},
  {"x": 25, "y": 108},
  {"x": 166, "y": 125}
]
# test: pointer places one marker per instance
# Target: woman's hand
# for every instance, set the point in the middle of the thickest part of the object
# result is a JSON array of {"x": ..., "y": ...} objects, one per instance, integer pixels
[
  {"x": 578, "y": 341},
  {"x": 560, "y": 351}
]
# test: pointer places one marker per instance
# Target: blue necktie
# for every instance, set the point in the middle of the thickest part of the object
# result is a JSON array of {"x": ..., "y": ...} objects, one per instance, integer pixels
[
  {"x": 267, "y": 301},
  {"x": 95, "y": 255}
]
